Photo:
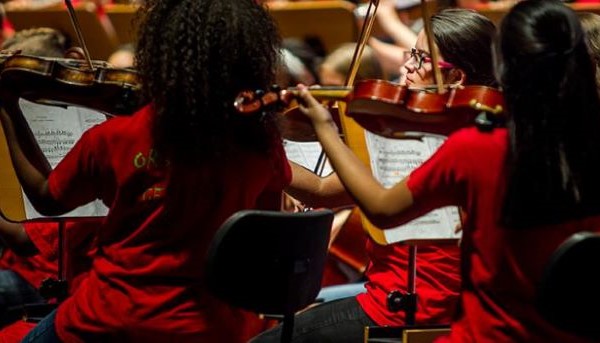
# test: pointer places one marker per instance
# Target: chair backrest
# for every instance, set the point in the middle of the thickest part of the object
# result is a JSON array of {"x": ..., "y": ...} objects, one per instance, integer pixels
[
  {"x": 269, "y": 262},
  {"x": 570, "y": 284}
]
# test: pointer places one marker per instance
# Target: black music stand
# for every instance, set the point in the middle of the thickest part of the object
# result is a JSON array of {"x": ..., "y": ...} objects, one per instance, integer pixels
[
  {"x": 407, "y": 301},
  {"x": 58, "y": 288}
]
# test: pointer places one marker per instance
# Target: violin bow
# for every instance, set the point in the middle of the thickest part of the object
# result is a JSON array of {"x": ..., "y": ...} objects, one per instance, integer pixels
[
  {"x": 435, "y": 57},
  {"x": 365, "y": 33},
  {"x": 77, "y": 28},
  {"x": 354, "y": 65}
]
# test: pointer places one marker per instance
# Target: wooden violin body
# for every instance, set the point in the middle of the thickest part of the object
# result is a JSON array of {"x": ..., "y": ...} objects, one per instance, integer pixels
[
  {"x": 391, "y": 110},
  {"x": 65, "y": 82}
]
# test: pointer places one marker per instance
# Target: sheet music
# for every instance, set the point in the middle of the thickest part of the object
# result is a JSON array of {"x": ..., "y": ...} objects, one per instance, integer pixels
[
  {"x": 306, "y": 154},
  {"x": 57, "y": 129},
  {"x": 392, "y": 160}
]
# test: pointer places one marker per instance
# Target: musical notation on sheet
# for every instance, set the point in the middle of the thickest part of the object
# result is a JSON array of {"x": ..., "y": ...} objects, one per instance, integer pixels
[
  {"x": 56, "y": 130},
  {"x": 391, "y": 161}
]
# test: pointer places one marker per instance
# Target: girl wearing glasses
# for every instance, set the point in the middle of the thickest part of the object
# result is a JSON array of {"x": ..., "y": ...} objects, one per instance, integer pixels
[
  {"x": 438, "y": 278},
  {"x": 526, "y": 187}
]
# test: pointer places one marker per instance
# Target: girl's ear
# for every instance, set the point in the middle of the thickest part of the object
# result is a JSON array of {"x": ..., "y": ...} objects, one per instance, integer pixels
[{"x": 456, "y": 76}]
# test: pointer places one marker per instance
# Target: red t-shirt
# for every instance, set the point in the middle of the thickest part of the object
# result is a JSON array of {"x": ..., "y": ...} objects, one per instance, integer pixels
[
  {"x": 15, "y": 332},
  {"x": 500, "y": 267},
  {"x": 34, "y": 269},
  {"x": 146, "y": 283},
  {"x": 44, "y": 235}
]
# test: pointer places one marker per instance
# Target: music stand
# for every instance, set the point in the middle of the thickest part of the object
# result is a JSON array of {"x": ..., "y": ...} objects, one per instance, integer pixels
[
  {"x": 407, "y": 301},
  {"x": 52, "y": 288}
]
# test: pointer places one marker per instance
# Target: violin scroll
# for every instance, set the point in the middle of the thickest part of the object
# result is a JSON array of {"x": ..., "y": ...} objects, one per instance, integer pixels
[
  {"x": 281, "y": 99},
  {"x": 293, "y": 125},
  {"x": 249, "y": 102}
]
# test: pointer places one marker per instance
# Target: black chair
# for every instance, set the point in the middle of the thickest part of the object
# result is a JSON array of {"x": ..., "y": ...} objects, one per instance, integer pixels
[
  {"x": 570, "y": 284},
  {"x": 270, "y": 262}
]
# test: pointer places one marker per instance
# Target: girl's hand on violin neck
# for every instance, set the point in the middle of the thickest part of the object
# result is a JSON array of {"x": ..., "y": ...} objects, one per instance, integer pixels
[{"x": 314, "y": 110}]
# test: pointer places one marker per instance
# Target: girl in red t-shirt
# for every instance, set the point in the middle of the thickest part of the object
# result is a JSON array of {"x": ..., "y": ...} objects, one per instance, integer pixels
[
  {"x": 170, "y": 174},
  {"x": 525, "y": 188},
  {"x": 463, "y": 38}
]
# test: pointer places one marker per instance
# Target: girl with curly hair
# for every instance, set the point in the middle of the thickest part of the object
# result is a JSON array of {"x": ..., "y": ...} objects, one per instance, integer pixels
[{"x": 171, "y": 174}]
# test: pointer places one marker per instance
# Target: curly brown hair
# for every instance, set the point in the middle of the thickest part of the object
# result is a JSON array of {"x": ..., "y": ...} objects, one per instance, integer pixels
[{"x": 195, "y": 56}]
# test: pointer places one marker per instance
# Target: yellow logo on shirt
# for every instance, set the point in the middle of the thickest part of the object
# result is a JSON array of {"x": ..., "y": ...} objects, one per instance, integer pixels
[{"x": 148, "y": 161}]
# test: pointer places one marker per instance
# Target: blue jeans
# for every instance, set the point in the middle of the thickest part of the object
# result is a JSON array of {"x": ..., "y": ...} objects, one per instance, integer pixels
[
  {"x": 336, "y": 321},
  {"x": 15, "y": 291},
  {"x": 43, "y": 332}
]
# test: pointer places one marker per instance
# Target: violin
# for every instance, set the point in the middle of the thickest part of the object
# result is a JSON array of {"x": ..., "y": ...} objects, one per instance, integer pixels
[
  {"x": 391, "y": 110},
  {"x": 385, "y": 108},
  {"x": 293, "y": 124},
  {"x": 65, "y": 82}
]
